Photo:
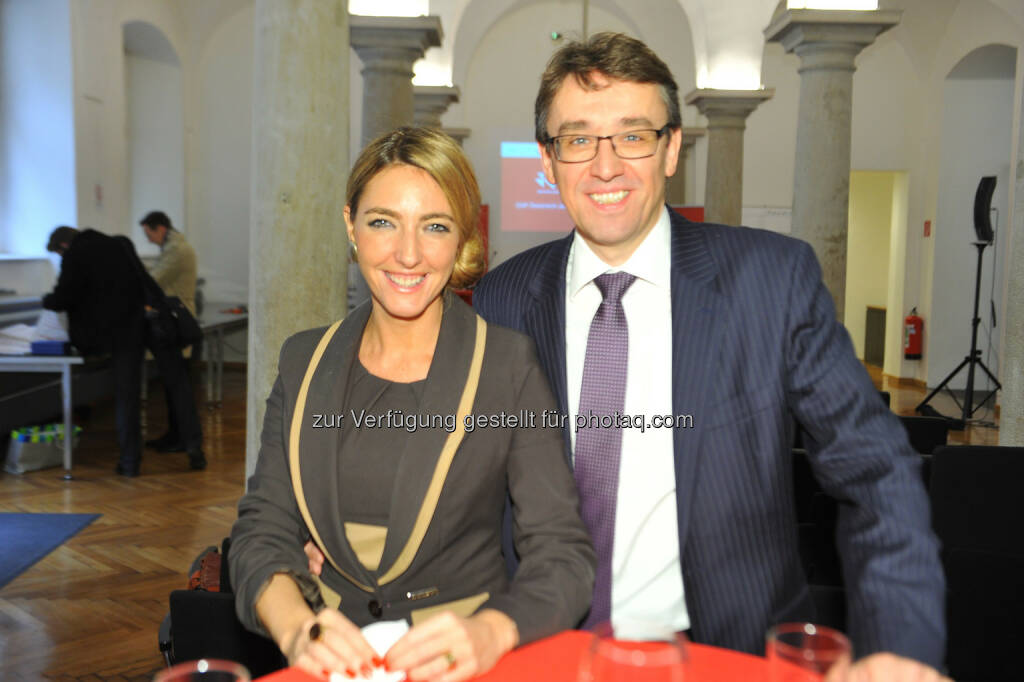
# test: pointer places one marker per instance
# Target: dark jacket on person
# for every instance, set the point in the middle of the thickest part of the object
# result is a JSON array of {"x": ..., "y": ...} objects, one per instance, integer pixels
[{"x": 99, "y": 289}]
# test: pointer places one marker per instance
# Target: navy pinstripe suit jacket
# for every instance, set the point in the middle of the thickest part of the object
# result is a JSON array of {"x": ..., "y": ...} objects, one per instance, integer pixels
[{"x": 755, "y": 346}]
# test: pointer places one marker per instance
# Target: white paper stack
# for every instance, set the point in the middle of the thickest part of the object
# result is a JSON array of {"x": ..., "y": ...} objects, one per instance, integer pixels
[{"x": 17, "y": 338}]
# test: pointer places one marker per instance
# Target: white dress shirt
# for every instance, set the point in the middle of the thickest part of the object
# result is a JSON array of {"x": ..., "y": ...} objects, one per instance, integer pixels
[{"x": 647, "y": 583}]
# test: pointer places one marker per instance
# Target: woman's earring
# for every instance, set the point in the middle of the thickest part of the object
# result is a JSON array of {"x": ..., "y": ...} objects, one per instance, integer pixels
[{"x": 353, "y": 252}]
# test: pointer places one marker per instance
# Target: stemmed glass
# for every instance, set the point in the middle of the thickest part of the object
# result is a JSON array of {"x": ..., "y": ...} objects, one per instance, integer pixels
[
  {"x": 805, "y": 652},
  {"x": 634, "y": 652},
  {"x": 204, "y": 670}
]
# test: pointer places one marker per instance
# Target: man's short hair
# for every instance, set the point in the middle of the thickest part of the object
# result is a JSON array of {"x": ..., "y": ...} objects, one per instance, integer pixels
[
  {"x": 615, "y": 55},
  {"x": 59, "y": 237},
  {"x": 155, "y": 219}
]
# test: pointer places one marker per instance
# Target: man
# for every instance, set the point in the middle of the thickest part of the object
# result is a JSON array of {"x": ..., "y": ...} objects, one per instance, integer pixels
[
  {"x": 101, "y": 286},
  {"x": 175, "y": 272},
  {"x": 98, "y": 287},
  {"x": 731, "y": 333}
]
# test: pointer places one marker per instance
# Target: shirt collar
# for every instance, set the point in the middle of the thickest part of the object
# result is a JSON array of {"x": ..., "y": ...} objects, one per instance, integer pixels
[{"x": 651, "y": 261}]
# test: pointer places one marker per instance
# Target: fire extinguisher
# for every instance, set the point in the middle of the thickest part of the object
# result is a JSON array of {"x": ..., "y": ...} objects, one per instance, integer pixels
[{"x": 913, "y": 335}]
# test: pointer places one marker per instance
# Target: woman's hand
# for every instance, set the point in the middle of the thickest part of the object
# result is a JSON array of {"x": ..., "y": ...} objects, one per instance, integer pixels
[
  {"x": 329, "y": 642},
  {"x": 320, "y": 644},
  {"x": 448, "y": 648}
]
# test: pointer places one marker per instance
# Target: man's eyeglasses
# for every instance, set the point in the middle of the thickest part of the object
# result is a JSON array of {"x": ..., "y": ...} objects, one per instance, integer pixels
[{"x": 632, "y": 144}]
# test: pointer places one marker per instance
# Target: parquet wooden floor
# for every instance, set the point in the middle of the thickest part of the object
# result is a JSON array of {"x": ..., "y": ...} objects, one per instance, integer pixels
[{"x": 91, "y": 610}]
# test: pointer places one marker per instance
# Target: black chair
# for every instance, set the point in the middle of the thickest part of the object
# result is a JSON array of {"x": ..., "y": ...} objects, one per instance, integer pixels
[
  {"x": 977, "y": 501},
  {"x": 978, "y": 514},
  {"x": 829, "y": 606},
  {"x": 204, "y": 625},
  {"x": 984, "y": 602},
  {"x": 804, "y": 486},
  {"x": 816, "y": 514},
  {"x": 926, "y": 433}
]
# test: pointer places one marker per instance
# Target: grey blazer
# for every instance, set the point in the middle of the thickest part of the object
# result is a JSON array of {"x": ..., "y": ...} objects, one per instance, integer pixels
[{"x": 459, "y": 562}]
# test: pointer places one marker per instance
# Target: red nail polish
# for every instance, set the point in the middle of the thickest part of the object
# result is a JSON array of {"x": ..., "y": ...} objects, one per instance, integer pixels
[
  {"x": 378, "y": 661},
  {"x": 350, "y": 673},
  {"x": 387, "y": 666}
]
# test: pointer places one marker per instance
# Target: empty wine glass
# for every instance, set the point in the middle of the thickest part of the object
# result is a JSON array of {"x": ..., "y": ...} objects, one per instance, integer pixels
[
  {"x": 805, "y": 652},
  {"x": 204, "y": 670},
  {"x": 634, "y": 652}
]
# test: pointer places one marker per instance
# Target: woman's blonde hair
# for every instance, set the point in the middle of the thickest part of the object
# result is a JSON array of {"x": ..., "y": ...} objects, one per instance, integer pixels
[{"x": 443, "y": 159}]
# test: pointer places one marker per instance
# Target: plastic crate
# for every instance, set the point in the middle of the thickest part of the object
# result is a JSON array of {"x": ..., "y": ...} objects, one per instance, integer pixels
[{"x": 37, "y": 447}]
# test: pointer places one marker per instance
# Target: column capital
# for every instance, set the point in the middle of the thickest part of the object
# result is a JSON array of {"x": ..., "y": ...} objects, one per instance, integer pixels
[
  {"x": 391, "y": 38},
  {"x": 829, "y": 39},
  {"x": 431, "y": 101},
  {"x": 691, "y": 135},
  {"x": 728, "y": 108},
  {"x": 459, "y": 134}
]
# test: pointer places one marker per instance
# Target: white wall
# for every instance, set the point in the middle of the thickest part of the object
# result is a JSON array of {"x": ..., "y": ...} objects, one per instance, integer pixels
[
  {"x": 156, "y": 143},
  {"x": 867, "y": 251},
  {"x": 897, "y": 307},
  {"x": 220, "y": 165},
  {"x": 977, "y": 116},
  {"x": 37, "y": 146}
]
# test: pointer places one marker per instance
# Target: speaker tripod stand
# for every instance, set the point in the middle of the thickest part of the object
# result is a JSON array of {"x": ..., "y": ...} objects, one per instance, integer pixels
[{"x": 967, "y": 409}]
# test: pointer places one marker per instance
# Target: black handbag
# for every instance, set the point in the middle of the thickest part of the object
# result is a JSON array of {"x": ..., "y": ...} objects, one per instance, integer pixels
[{"x": 169, "y": 324}]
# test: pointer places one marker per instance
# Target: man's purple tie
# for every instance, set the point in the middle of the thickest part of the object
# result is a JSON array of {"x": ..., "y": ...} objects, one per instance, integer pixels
[{"x": 598, "y": 447}]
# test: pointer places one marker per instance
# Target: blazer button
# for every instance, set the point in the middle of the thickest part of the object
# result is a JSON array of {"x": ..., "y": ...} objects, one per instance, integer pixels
[{"x": 375, "y": 609}]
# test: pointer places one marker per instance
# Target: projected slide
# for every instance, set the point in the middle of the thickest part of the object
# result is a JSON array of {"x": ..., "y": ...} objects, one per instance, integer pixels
[{"x": 529, "y": 203}]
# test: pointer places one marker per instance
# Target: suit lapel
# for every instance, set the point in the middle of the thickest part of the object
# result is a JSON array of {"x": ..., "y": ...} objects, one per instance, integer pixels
[
  {"x": 544, "y": 320},
  {"x": 697, "y": 311},
  {"x": 441, "y": 394},
  {"x": 319, "y": 446}
]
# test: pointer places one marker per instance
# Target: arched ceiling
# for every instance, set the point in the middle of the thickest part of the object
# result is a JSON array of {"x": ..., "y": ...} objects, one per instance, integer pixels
[
  {"x": 143, "y": 39},
  {"x": 726, "y": 34}
]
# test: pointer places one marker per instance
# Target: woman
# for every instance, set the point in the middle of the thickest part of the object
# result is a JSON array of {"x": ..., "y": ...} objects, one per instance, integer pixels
[{"x": 365, "y": 450}]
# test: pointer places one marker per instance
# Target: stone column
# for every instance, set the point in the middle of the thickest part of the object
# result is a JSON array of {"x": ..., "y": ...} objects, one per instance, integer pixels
[
  {"x": 388, "y": 47},
  {"x": 459, "y": 134},
  {"x": 431, "y": 101},
  {"x": 675, "y": 186},
  {"x": 297, "y": 244},
  {"x": 727, "y": 112},
  {"x": 1011, "y": 412},
  {"x": 827, "y": 41}
]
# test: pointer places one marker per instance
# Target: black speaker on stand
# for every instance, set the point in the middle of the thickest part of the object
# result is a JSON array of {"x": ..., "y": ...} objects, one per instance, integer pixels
[{"x": 985, "y": 234}]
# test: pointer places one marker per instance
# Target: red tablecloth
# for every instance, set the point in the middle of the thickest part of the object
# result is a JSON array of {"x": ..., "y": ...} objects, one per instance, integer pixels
[{"x": 556, "y": 659}]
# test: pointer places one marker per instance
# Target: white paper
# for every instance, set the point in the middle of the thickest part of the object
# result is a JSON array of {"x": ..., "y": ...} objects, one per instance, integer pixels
[
  {"x": 18, "y": 332},
  {"x": 381, "y": 636},
  {"x": 16, "y": 339},
  {"x": 51, "y": 326}
]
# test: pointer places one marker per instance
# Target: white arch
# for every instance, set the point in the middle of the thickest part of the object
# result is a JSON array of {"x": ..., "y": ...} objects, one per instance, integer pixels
[
  {"x": 474, "y": 18},
  {"x": 146, "y": 40},
  {"x": 728, "y": 41}
]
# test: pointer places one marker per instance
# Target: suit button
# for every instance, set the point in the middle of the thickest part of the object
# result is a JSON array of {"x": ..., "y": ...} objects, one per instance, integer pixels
[{"x": 375, "y": 609}]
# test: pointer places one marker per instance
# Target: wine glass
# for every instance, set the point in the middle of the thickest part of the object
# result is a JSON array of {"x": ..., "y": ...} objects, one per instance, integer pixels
[
  {"x": 633, "y": 651},
  {"x": 204, "y": 670},
  {"x": 805, "y": 652}
]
